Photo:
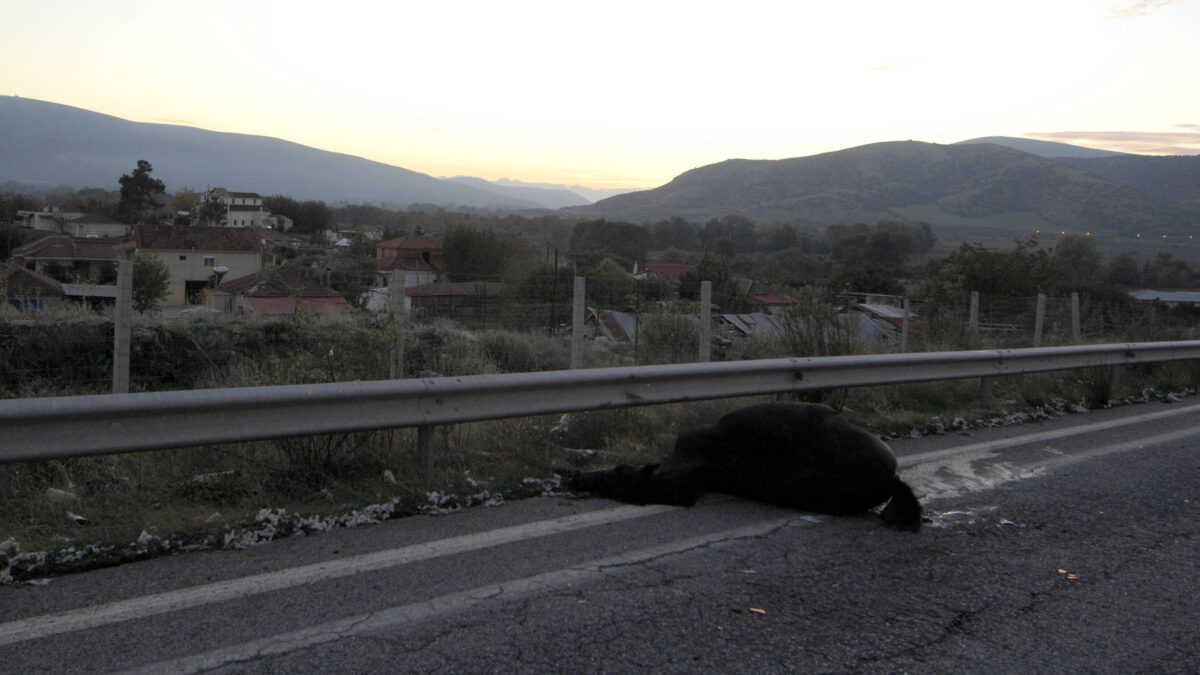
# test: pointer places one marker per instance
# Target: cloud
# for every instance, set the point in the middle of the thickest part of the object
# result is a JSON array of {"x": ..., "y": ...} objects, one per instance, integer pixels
[
  {"x": 1130, "y": 8},
  {"x": 1137, "y": 142}
]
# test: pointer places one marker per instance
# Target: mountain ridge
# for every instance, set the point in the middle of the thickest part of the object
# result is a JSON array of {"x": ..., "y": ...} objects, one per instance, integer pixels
[
  {"x": 55, "y": 144},
  {"x": 973, "y": 184}
]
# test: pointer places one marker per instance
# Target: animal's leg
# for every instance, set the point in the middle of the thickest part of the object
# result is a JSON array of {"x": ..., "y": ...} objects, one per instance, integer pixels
[{"x": 643, "y": 485}]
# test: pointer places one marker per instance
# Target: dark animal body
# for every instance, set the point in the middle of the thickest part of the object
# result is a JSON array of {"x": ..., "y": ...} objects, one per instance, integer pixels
[{"x": 799, "y": 456}]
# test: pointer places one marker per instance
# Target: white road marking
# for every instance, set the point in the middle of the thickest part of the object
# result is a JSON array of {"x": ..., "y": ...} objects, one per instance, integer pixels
[
  {"x": 158, "y": 603},
  {"x": 394, "y": 617},
  {"x": 920, "y": 458},
  {"x": 943, "y": 474}
]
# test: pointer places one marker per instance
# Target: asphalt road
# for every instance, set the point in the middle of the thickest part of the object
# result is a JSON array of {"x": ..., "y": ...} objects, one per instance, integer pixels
[{"x": 1063, "y": 546}]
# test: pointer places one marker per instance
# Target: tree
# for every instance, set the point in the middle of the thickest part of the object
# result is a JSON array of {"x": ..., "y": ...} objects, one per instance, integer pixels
[
  {"x": 1021, "y": 272},
  {"x": 211, "y": 212},
  {"x": 477, "y": 254},
  {"x": 138, "y": 194},
  {"x": 725, "y": 291},
  {"x": 151, "y": 282},
  {"x": 1076, "y": 263},
  {"x": 308, "y": 217},
  {"x": 594, "y": 240},
  {"x": 676, "y": 233},
  {"x": 11, "y": 236},
  {"x": 184, "y": 199},
  {"x": 1124, "y": 272}
]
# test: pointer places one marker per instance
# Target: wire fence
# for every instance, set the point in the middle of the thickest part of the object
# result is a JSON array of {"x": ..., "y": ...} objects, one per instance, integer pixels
[{"x": 478, "y": 326}]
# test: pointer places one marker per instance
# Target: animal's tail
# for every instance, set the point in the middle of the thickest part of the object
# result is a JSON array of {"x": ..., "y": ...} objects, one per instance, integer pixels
[{"x": 903, "y": 511}]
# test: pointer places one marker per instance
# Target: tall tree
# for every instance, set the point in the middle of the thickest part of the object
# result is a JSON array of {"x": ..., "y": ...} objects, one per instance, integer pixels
[
  {"x": 151, "y": 282},
  {"x": 594, "y": 240},
  {"x": 139, "y": 194},
  {"x": 477, "y": 254}
]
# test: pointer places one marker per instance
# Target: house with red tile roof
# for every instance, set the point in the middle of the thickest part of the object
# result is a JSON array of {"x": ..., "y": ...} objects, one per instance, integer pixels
[
  {"x": 74, "y": 259},
  {"x": 277, "y": 292},
  {"x": 25, "y": 289},
  {"x": 200, "y": 257}
]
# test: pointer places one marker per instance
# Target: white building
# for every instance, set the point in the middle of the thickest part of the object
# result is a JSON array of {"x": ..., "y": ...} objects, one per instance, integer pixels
[{"x": 242, "y": 209}]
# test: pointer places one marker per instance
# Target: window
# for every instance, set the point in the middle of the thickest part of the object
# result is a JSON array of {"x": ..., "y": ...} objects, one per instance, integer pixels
[{"x": 210, "y": 261}]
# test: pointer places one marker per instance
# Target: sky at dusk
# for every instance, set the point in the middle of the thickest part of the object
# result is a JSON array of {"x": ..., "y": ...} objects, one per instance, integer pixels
[{"x": 620, "y": 94}]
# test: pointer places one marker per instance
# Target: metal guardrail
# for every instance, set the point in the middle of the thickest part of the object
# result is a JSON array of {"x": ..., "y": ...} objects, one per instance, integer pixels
[{"x": 49, "y": 428}]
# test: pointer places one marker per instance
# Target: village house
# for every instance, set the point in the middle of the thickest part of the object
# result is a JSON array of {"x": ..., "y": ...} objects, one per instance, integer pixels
[
  {"x": 71, "y": 259},
  {"x": 419, "y": 257},
  {"x": 245, "y": 209},
  {"x": 277, "y": 292},
  {"x": 93, "y": 226},
  {"x": 360, "y": 232},
  {"x": 24, "y": 289},
  {"x": 199, "y": 257},
  {"x": 462, "y": 300},
  {"x": 50, "y": 219}
]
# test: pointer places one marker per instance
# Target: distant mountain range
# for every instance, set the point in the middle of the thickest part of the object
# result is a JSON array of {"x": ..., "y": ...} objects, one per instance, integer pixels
[
  {"x": 49, "y": 145},
  {"x": 977, "y": 186},
  {"x": 997, "y": 186}
]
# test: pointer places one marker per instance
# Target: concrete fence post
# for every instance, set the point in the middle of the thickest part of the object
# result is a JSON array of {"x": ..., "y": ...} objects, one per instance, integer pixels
[
  {"x": 973, "y": 317},
  {"x": 1039, "y": 320},
  {"x": 399, "y": 316},
  {"x": 577, "y": 316},
  {"x": 705, "y": 321},
  {"x": 122, "y": 326},
  {"x": 1076, "y": 330}
]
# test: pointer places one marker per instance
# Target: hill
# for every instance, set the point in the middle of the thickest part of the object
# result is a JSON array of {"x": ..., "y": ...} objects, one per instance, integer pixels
[
  {"x": 1174, "y": 178},
  {"x": 50, "y": 144},
  {"x": 1048, "y": 149},
  {"x": 974, "y": 187}
]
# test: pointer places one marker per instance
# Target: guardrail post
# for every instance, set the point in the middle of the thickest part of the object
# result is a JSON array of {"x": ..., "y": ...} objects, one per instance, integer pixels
[
  {"x": 577, "y": 323},
  {"x": 122, "y": 321},
  {"x": 396, "y": 295},
  {"x": 425, "y": 449},
  {"x": 705, "y": 321},
  {"x": 907, "y": 306},
  {"x": 1076, "y": 331},
  {"x": 1039, "y": 319},
  {"x": 985, "y": 392}
]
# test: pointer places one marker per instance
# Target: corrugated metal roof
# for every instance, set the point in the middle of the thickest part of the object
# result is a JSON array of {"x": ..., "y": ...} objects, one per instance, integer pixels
[
  {"x": 1168, "y": 296},
  {"x": 885, "y": 311},
  {"x": 755, "y": 323}
]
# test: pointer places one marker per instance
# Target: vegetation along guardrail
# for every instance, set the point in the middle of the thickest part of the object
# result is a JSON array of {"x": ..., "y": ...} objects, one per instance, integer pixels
[{"x": 50, "y": 428}]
